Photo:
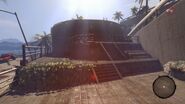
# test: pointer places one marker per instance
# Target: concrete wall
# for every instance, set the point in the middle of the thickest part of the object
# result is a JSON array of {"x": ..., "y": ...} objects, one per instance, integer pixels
[{"x": 164, "y": 38}]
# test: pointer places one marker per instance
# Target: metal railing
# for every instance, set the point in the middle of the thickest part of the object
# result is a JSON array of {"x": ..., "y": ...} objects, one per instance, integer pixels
[
  {"x": 30, "y": 53},
  {"x": 148, "y": 16}
]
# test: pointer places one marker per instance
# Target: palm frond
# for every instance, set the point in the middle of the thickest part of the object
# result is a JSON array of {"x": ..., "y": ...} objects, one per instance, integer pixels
[{"x": 118, "y": 15}]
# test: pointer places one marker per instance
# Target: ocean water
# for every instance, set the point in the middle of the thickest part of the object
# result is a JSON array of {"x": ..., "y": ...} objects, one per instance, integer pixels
[{"x": 16, "y": 52}]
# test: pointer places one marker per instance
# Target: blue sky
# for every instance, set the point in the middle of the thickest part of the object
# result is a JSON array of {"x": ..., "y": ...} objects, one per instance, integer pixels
[{"x": 37, "y": 16}]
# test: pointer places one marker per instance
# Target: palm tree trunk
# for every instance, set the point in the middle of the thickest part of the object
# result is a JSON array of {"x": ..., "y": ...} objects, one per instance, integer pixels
[
  {"x": 147, "y": 7},
  {"x": 140, "y": 6}
]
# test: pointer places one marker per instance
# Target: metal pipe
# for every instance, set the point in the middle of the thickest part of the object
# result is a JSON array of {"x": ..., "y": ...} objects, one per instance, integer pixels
[
  {"x": 21, "y": 28},
  {"x": 162, "y": 2},
  {"x": 18, "y": 23},
  {"x": 7, "y": 12},
  {"x": 23, "y": 55}
]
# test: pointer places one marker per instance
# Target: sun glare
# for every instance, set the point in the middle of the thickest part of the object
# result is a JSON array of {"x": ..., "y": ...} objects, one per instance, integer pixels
[{"x": 87, "y": 6}]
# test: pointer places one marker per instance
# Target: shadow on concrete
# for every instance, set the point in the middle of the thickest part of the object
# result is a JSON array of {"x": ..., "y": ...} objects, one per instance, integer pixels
[{"x": 178, "y": 74}]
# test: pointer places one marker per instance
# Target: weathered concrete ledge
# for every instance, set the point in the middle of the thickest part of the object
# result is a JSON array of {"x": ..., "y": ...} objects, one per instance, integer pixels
[{"x": 164, "y": 38}]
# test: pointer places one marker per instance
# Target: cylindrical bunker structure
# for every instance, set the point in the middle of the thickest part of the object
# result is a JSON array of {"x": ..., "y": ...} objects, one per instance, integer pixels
[{"x": 73, "y": 36}]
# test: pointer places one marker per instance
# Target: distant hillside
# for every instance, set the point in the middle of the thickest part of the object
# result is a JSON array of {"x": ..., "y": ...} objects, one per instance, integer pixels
[
  {"x": 10, "y": 45},
  {"x": 10, "y": 41}
]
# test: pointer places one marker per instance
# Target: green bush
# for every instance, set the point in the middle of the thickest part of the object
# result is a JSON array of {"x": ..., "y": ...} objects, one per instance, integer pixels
[{"x": 53, "y": 74}]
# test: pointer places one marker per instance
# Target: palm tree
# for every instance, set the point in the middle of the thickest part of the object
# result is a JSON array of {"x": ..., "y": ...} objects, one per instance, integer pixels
[
  {"x": 79, "y": 17},
  {"x": 141, "y": 3},
  {"x": 105, "y": 19},
  {"x": 44, "y": 40},
  {"x": 118, "y": 16},
  {"x": 134, "y": 10}
]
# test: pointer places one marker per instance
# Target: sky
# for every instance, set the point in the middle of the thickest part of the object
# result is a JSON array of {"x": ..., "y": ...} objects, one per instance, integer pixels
[{"x": 37, "y": 16}]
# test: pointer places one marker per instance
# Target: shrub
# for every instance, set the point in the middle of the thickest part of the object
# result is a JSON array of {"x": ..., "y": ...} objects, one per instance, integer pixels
[
  {"x": 175, "y": 65},
  {"x": 53, "y": 75}
]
